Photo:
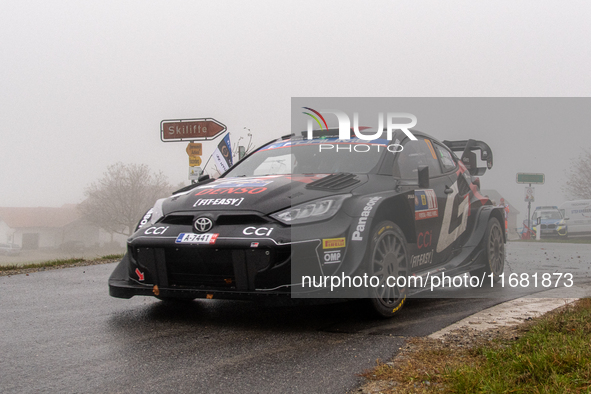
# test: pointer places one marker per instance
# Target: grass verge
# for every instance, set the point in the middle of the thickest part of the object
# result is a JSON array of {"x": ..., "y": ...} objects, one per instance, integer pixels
[
  {"x": 57, "y": 263},
  {"x": 551, "y": 354}
]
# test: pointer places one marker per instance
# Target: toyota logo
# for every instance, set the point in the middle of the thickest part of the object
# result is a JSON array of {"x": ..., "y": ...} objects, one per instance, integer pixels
[{"x": 203, "y": 224}]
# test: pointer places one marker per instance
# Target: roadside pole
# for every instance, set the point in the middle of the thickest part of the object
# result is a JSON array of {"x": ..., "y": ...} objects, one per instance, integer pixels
[
  {"x": 529, "y": 213},
  {"x": 530, "y": 196},
  {"x": 191, "y": 130}
]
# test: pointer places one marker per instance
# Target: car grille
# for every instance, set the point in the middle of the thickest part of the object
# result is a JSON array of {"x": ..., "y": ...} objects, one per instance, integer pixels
[
  {"x": 210, "y": 268},
  {"x": 221, "y": 220},
  {"x": 216, "y": 268},
  {"x": 548, "y": 226}
]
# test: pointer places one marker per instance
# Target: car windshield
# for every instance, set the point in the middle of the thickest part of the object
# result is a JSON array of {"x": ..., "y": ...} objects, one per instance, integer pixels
[
  {"x": 552, "y": 215},
  {"x": 317, "y": 156}
]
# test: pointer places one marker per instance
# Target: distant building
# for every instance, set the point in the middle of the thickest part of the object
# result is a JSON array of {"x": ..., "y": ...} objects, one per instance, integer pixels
[
  {"x": 48, "y": 227},
  {"x": 513, "y": 212}
]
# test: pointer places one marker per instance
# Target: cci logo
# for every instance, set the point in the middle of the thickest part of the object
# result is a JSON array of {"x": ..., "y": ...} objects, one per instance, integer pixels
[
  {"x": 345, "y": 124},
  {"x": 261, "y": 231}
]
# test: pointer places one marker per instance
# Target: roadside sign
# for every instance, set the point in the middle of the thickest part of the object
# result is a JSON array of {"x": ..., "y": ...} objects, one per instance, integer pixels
[
  {"x": 195, "y": 173},
  {"x": 190, "y": 129},
  {"x": 523, "y": 177},
  {"x": 194, "y": 149},
  {"x": 530, "y": 194},
  {"x": 194, "y": 161}
]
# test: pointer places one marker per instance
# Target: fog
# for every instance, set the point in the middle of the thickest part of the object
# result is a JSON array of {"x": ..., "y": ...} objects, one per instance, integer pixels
[{"x": 86, "y": 84}]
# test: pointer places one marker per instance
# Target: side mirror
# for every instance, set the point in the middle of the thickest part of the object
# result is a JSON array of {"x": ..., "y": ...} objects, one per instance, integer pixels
[
  {"x": 423, "y": 177},
  {"x": 203, "y": 178},
  {"x": 567, "y": 218}
]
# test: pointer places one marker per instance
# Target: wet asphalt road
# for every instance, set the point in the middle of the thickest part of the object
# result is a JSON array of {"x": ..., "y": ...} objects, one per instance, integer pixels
[{"x": 61, "y": 332}]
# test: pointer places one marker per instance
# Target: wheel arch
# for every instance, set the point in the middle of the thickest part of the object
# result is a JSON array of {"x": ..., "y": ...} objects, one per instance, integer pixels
[
  {"x": 396, "y": 209},
  {"x": 483, "y": 216}
]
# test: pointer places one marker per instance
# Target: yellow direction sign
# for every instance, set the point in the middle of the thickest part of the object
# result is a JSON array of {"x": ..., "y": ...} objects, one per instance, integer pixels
[
  {"x": 194, "y": 149},
  {"x": 194, "y": 161}
]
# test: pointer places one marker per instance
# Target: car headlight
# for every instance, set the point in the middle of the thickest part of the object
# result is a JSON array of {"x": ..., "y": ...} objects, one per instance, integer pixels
[{"x": 311, "y": 211}]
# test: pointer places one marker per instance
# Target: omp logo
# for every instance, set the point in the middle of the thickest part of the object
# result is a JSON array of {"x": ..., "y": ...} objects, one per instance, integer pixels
[{"x": 345, "y": 124}]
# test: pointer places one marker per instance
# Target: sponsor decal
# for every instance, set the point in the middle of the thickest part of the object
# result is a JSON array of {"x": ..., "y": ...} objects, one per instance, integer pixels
[
  {"x": 192, "y": 238},
  {"x": 431, "y": 149},
  {"x": 238, "y": 182},
  {"x": 424, "y": 239},
  {"x": 333, "y": 243},
  {"x": 332, "y": 257},
  {"x": 146, "y": 217},
  {"x": 260, "y": 231},
  {"x": 399, "y": 305},
  {"x": 422, "y": 259},
  {"x": 140, "y": 275},
  {"x": 156, "y": 230},
  {"x": 232, "y": 190},
  {"x": 363, "y": 219},
  {"x": 218, "y": 201},
  {"x": 425, "y": 204},
  {"x": 447, "y": 236}
]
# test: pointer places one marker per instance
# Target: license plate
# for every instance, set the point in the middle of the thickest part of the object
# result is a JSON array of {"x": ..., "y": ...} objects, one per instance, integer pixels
[
  {"x": 547, "y": 231},
  {"x": 190, "y": 238}
]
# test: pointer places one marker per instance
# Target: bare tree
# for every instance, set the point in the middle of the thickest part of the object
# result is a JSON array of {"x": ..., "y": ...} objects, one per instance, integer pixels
[
  {"x": 117, "y": 201},
  {"x": 578, "y": 180}
]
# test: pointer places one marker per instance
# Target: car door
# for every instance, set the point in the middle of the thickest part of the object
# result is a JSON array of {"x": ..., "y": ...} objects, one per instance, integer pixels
[
  {"x": 457, "y": 222},
  {"x": 428, "y": 201}
]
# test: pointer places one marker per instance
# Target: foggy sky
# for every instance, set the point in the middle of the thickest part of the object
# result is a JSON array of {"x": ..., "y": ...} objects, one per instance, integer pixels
[{"x": 85, "y": 84}]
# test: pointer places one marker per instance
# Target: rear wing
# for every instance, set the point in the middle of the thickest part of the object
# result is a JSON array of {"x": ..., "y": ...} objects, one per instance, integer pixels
[{"x": 467, "y": 147}]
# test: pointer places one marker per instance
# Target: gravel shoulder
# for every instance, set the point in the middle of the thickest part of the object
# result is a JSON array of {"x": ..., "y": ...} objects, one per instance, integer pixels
[{"x": 27, "y": 271}]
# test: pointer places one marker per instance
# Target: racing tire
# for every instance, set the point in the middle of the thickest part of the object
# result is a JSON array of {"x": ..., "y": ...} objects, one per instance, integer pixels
[
  {"x": 387, "y": 257},
  {"x": 493, "y": 251}
]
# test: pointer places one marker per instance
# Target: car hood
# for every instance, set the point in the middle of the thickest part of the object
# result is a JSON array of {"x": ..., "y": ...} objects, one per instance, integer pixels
[{"x": 266, "y": 194}]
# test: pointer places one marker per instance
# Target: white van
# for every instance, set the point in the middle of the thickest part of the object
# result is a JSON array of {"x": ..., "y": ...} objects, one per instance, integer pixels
[{"x": 579, "y": 216}]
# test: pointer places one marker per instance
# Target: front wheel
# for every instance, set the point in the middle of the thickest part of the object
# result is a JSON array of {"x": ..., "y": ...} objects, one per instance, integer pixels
[{"x": 388, "y": 258}]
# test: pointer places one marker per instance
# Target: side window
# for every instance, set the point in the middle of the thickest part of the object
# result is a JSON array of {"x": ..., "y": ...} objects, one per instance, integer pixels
[
  {"x": 415, "y": 154},
  {"x": 447, "y": 160}
]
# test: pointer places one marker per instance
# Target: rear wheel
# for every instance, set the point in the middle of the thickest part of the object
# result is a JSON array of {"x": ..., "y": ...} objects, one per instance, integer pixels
[
  {"x": 388, "y": 257},
  {"x": 494, "y": 251}
]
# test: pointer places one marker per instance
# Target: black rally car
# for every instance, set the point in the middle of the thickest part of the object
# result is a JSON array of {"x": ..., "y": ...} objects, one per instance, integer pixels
[{"x": 298, "y": 210}]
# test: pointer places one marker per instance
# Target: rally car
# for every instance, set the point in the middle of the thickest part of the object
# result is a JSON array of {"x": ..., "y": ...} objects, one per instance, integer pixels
[{"x": 298, "y": 210}]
